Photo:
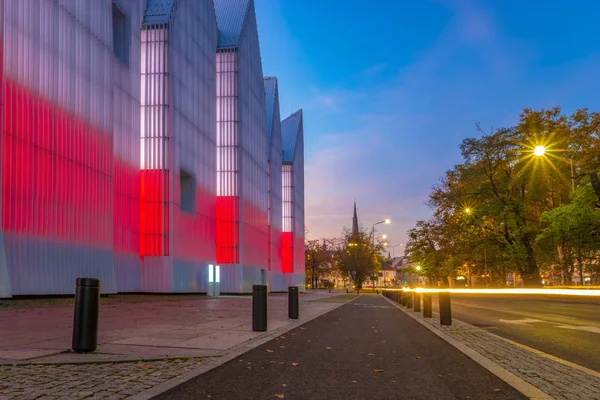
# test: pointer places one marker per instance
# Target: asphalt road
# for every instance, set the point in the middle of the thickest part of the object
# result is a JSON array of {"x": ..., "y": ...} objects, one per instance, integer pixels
[
  {"x": 563, "y": 327},
  {"x": 366, "y": 349}
]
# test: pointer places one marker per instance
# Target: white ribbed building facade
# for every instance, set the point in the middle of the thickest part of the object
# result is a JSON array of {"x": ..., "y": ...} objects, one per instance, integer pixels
[{"x": 141, "y": 145}]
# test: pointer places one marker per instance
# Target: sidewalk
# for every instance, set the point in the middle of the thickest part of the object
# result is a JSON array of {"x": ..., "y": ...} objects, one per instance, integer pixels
[
  {"x": 366, "y": 349},
  {"x": 140, "y": 345},
  {"x": 555, "y": 377}
]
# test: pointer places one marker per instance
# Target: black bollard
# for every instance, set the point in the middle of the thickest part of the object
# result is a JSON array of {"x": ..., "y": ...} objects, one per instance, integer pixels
[
  {"x": 427, "y": 311},
  {"x": 417, "y": 303},
  {"x": 85, "y": 318},
  {"x": 445, "y": 309},
  {"x": 259, "y": 308},
  {"x": 409, "y": 300},
  {"x": 293, "y": 302},
  {"x": 403, "y": 298},
  {"x": 329, "y": 290},
  {"x": 346, "y": 290}
]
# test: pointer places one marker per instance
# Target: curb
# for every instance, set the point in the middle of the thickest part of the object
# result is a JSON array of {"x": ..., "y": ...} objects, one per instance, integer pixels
[
  {"x": 232, "y": 354},
  {"x": 519, "y": 384}
]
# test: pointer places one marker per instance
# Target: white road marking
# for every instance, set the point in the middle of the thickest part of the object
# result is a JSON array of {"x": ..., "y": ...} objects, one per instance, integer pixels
[
  {"x": 561, "y": 316},
  {"x": 593, "y": 329},
  {"x": 523, "y": 321}
]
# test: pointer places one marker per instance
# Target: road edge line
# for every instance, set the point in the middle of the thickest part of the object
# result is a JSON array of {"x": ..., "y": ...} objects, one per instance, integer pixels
[
  {"x": 517, "y": 383},
  {"x": 236, "y": 351}
]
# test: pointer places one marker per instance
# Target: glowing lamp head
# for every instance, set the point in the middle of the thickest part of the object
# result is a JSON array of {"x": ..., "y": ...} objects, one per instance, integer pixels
[
  {"x": 539, "y": 151},
  {"x": 384, "y": 236},
  {"x": 468, "y": 210},
  {"x": 387, "y": 221},
  {"x": 418, "y": 267}
]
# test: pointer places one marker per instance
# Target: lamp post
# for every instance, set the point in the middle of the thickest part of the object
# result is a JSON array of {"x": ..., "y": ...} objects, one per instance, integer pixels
[{"x": 385, "y": 221}]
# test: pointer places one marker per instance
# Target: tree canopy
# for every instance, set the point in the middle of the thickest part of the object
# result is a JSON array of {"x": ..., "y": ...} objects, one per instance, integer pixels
[{"x": 497, "y": 206}]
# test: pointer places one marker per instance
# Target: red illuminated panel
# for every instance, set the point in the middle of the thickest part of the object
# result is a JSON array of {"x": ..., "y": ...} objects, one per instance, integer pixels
[
  {"x": 228, "y": 211},
  {"x": 287, "y": 245},
  {"x": 126, "y": 207},
  {"x": 255, "y": 240},
  {"x": 154, "y": 221},
  {"x": 56, "y": 172},
  {"x": 196, "y": 232}
]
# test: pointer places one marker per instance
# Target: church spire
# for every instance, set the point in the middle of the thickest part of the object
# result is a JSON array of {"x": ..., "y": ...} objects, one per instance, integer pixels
[{"x": 355, "y": 221}]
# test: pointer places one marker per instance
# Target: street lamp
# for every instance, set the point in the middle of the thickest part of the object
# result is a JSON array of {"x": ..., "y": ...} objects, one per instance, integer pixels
[
  {"x": 394, "y": 250},
  {"x": 540, "y": 151},
  {"x": 385, "y": 221}
]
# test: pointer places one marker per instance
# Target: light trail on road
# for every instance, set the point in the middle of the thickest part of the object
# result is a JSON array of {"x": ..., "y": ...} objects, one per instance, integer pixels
[{"x": 556, "y": 292}]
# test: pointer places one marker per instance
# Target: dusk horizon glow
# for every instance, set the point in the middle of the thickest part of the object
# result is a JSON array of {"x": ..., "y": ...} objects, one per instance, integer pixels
[{"x": 391, "y": 91}]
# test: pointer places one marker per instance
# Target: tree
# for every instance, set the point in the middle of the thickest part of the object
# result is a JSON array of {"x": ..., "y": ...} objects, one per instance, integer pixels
[
  {"x": 317, "y": 262},
  {"x": 576, "y": 228},
  {"x": 357, "y": 255},
  {"x": 488, "y": 209}
]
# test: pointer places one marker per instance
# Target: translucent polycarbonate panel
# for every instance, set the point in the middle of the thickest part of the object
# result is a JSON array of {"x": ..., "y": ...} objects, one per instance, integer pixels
[
  {"x": 275, "y": 182},
  {"x": 5, "y": 283},
  {"x": 287, "y": 197},
  {"x": 179, "y": 146},
  {"x": 299, "y": 231},
  {"x": 253, "y": 154},
  {"x": 192, "y": 51},
  {"x": 126, "y": 148},
  {"x": 288, "y": 216},
  {"x": 154, "y": 142},
  {"x": 62, "y": 152},
  {"x": 227, "y": 162}
]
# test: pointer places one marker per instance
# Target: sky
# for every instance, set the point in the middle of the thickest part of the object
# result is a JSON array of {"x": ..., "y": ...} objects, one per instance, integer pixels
[{"x": 390, "y": 89}]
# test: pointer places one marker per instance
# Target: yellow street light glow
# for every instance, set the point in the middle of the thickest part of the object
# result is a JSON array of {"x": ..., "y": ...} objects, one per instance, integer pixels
[
  {"x": 384, "y": 236},
  {"x": 418, "y": 267},
  {"x": 468, "y": 210},
  {"x": 387, "y": 221},
  {"x": 539, "y": 151},
  {"x": 557, "y": 292}
]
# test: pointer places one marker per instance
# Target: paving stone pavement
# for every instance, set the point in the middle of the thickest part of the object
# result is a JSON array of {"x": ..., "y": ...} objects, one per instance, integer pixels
[
  {"x": 88, "y": 381},
  {"x": 556, "y": 379},
  {"x": 94, "y": 377}
]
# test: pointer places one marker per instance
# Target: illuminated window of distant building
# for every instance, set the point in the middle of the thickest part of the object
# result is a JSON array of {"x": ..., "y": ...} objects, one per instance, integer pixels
[
  {"x": 186, "y": 192},
  {"x": 119, "y": 25}
]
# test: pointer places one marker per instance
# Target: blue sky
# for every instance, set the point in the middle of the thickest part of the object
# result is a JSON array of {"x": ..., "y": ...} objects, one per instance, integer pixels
[{"x": 390, "y": 89}]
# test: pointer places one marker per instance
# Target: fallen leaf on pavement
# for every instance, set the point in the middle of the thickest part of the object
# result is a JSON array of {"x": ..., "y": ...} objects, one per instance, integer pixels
[
  {"x": 417, "y": 357},
  {"x": 198, "y": 363},
  {"x": 377, "y": 370},
  {"x": 375, "y": 330},
  {"x": 371, "y": 354},
  {"x": 295, "y": 364},
  {"x": 269, "y": 351},
  {"x": 302, "y": 328},
  {"x": 280, "y": 396},
  {"x": 281, "y": 362},
  {"x": 283, "y": 347},
  {"x": 353, "y": 381},
  {"x": 496, "y": 390},
  {"x": 284, "y": 385}
]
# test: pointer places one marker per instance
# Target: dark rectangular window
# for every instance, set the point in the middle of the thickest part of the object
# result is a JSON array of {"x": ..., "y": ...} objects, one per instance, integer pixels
[
  {"x": 187, "y": 197},
  {"x": 120, "y": 42}
]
